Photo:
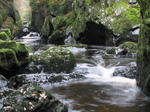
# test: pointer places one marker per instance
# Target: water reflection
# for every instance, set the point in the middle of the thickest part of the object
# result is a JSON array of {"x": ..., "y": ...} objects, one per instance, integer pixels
[{"x": 94, "y": 96}]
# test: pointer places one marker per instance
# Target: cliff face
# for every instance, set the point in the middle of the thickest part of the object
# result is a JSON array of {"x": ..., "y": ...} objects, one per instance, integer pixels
[
  {"x": 71, "y": 16},
  {"x": 143, "y": 59},
  {"x": 9, "y": 17}
]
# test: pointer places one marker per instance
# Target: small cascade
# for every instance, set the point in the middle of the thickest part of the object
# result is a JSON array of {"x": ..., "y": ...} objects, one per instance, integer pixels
[
  {"x": 105, "y": 75},
  {"x": 70, "y": 39}
]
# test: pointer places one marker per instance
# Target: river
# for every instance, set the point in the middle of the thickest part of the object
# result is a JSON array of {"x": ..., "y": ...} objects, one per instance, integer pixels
[{"x": 99, "y": 90}]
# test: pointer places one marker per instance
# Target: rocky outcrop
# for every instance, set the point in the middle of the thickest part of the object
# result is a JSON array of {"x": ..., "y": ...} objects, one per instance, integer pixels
[
  {"x": 31, "y": 98},
  {"x": 66, "y": 16},
  {"x": 9, "y": 17},
  {"x": 143, "y": 58}
]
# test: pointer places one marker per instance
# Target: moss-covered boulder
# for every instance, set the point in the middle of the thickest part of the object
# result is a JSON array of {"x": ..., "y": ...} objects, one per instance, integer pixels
[
  {"x": 54, "y": 59},
  {"x": 31, "y": 98},
  {"x": 143, "y": 57},
  {"x": 13, "y": 56},
  {"x": 127, "y": 48}
]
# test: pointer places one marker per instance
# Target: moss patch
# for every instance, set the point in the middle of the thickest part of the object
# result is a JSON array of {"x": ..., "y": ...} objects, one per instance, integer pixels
[
  {"x": 8, "y": 32},
  {"x": 4, "y": 36}
]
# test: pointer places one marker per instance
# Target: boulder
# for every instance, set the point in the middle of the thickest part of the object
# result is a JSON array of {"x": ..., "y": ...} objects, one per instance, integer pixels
[
  {"x": 14, "y": 56},
  {"x": 53, "y": 60},
  {"x": 127, "y": 48},
  {"x": 126, "y": 71},
  {"x": 31, "y": 98}
]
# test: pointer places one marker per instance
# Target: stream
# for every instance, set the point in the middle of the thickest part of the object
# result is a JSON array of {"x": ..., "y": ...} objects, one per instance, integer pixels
[{"x": 99, "y": 90}]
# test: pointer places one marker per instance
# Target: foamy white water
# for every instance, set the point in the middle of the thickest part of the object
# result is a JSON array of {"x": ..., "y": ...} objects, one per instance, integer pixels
[{"x": 103, "y": 74}]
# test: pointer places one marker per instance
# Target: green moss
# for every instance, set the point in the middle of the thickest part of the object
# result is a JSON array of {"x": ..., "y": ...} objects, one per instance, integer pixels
[
  {"x": 8, "y": 32},
  {"x": 4, "y": 36},
  {"x": 55, "y": 59},
  {"x": 47, "y": 27},
  {"x": 15, "y": 56},
  {"x": 130, "y": 46},
  {"x": 3, "y": 14},
  {"x": 147, "y": 21},
  {"x": 143, "y": 60},
  {"x": 1, "y": 19},
  {"x": 63, "y": 21},
  {"x": 8, "y": 62},
  {"x": 7, "y": 56},
  {"x": 19, "y": 48}
]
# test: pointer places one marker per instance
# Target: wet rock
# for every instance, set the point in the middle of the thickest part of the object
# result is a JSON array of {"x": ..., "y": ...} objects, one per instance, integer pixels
[
  {"x": 31, "y": 98},
  {"x": 41, "y": 79},
  {"x": 5, "y": 88},
  {"x": 126, "y": 71},
  {"x": 53, "y": 60},
  {"x": 14, "y": 56},
  {"x": 3, "y": 83}
]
